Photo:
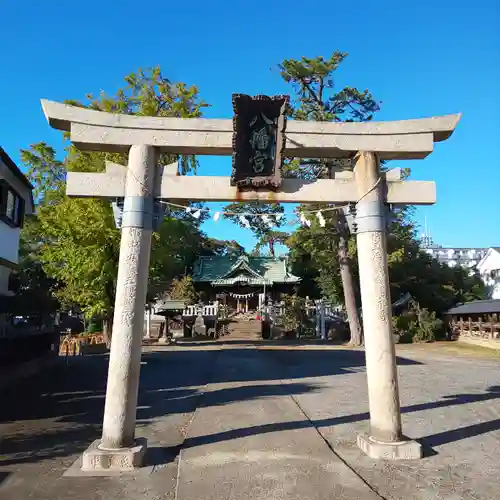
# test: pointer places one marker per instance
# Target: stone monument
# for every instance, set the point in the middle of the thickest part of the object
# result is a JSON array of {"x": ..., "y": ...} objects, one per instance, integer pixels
[{"x": 199, "y": 327}]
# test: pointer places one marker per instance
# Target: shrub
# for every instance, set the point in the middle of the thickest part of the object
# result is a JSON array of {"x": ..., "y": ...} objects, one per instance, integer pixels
[
  {"x": 184, "y": 289},
  {"x": 417, "y": 325},
  {"x": 428, "y": 326},
  {"x": 294, "y": 316}
]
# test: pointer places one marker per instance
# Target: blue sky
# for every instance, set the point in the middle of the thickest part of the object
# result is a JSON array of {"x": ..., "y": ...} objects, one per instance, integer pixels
[{"x": 419, "y": 58}]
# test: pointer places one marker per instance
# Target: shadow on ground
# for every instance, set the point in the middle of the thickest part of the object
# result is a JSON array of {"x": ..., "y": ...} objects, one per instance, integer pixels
[
  {"x": 282, "y": 342},
  {"x": 428, "y": 442},
  {"x": 60, "y": 413}
]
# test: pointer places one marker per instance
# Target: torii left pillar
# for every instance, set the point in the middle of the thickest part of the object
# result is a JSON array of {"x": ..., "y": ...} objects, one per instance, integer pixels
[{"x": 118, "y": 448}]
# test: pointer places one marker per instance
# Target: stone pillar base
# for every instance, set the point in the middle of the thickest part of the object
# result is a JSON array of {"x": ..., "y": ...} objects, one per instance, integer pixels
[
  {"x": 123, "y": 460},
  {"x": 397, "y": 450}
]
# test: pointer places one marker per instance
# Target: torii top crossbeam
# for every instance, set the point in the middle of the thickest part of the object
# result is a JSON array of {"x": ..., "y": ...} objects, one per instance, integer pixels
[{"x": 394, "y": 140}]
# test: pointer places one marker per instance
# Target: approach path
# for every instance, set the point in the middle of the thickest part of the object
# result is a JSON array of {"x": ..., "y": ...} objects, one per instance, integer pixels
[{"x": 232, "y": 420}]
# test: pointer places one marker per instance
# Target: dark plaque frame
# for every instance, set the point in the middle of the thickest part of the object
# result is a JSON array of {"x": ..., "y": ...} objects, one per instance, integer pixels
[{"x": 251, "y": 116}]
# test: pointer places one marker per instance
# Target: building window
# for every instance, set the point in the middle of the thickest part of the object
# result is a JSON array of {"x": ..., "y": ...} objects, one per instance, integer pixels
[{"x": 11, "y": 206}]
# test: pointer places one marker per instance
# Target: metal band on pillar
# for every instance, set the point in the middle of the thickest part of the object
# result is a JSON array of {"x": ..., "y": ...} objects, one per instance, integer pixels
[
  {"x": 138, "y": 212},
  {"x": 370, "y": 217}
]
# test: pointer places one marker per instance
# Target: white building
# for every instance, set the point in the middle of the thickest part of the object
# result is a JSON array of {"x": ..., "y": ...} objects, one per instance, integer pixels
[
  {"x": 486, "y": 261},
  {"x": 489, "y": 269},
  {"x": 468, "y": 258},
  {"x": 16, "y": 200}
]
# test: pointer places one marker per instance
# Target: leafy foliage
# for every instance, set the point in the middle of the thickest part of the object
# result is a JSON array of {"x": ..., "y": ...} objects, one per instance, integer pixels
[
  {"x": 213, "y": 246},
  {"x": 417, "y": 324},
  {"x": 435, "y": 286},
  {"x": 34, "y": 289},
  {"x": 312, "y": 80},
  {"x": 47, "y": 174},
  {"x": 314, "y": 251},
  {"x": 76, "y": 241},
  {"x": 183, "y": 289},
  {"x": 80, "y": 250},
  {"x": 266, "y": 235},
  {"x": 317, "y": 99},
  {"x": 269, "y": 240},
  {"x": 294, "y": 316},
  {"x": 149, "y": 93}
]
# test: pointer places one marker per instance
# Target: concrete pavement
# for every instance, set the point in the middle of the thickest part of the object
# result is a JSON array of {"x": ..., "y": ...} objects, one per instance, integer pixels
[
  {"x": 236, "y": 421},
  {"x": 248, "y": 449}
]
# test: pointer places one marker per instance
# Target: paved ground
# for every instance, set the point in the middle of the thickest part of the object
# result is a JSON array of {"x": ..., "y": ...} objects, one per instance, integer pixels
[{"x": 230, "y": 421}]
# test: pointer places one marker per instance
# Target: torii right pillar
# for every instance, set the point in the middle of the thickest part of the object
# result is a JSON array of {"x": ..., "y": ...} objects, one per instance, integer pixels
[{"x": 385, "y": 439}]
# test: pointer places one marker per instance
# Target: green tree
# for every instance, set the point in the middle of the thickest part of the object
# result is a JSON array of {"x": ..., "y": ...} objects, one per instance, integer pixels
[
  {"x": 213, "y": 246},
  {"x": 269, "y": 240},
  {"x": 174, "y": 249},
  {"x": 46, "y": 172},
  {"x": 316, "y": 99},
  {"x": 327, "y": 255},
  {"x": 183, "y": 289},
  {"x": 433, "y": 285},
  {"x": 76, "y": 239},
  {"x": 34, "y": 290},
  {"x": 265, "y": 231}
]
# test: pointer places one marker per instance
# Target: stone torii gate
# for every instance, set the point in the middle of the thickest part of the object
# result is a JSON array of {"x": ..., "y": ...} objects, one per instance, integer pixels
[{"x": 143, "y": 180}]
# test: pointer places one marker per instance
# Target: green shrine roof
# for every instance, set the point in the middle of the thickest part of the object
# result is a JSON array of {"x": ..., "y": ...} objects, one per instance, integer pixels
[{"x": 223, "y": 270}]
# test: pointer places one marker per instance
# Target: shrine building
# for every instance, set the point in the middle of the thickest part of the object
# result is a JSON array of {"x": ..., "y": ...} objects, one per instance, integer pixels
[{"x": 243, "y": 281}]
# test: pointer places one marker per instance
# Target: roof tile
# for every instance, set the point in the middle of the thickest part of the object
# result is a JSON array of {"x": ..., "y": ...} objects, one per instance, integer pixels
[
  {"x": 209, "y": 269},
  {"x": 476, "y": 307}
]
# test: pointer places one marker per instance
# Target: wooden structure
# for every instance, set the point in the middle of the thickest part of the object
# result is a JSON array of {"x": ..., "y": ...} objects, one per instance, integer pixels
[
  {"x": 479, "y": 319},
  {"x": 245, "y": 281},
  {"x": 77, "y": 345}
]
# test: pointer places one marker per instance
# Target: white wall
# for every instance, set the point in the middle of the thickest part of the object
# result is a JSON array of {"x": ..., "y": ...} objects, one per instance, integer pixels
[
  {"x": 9, "y": 242},
  {"x": 9, "y": 236},
  {"x": 489, "y": 264},
  {"x": 18, "y": 186},
  {"x": 495, "y": 290}
]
